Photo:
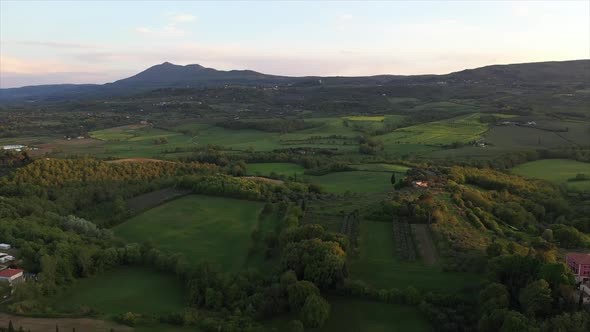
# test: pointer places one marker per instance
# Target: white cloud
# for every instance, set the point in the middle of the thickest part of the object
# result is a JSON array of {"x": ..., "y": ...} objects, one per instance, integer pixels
[
  {"x": 520, "y": 10},
  {"x": 170, "y": 30},
  {"x": 143, "y": 30},
  {"x": 344, "y": 17},
  {"x": 180, "y": 18}
]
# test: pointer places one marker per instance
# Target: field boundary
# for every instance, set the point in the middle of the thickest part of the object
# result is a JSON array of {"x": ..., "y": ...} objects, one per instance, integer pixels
[
  {"x": 152, "y": 199},
  {"x": 35, "y": 324}
]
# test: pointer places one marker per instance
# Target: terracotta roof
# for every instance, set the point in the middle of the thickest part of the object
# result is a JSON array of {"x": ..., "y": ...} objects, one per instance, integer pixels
[
  {"x": 8, "y": 273},
  {"x": 579, "y": 257}
]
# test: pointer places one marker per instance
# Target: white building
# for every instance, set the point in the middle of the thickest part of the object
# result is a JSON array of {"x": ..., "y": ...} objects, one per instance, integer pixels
[
  {"x": 4, "y": 258},
  {"x": 4, "y": 246},
  {"x": 14, "y": 147}
]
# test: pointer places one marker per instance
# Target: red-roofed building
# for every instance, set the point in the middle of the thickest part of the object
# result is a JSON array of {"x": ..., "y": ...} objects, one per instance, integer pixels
[
  {"x": 11, "y": 275},
  {"x": 580, "y": 265}
]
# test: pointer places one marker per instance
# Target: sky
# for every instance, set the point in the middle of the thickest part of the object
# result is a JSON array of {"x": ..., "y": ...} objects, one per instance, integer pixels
[{"x": 48, "y": 42}]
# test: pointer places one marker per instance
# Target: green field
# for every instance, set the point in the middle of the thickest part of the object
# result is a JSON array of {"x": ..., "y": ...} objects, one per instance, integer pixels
[
  {"x": 465, "y": 128},
  {"x": 359, "y": 316},
  {"x": 379, "y": 266},
  {"x": 118, "y": 133},
  {"x": 126, "y": 289},
  {"x": 557, "y": 171},
  {"x": 353, "y": 181},
  {"x": 382, "y": 168},
  {"x": 364, "y": 118},
  {"x": 203, "y": 228},
  {"x": 266, "y": 169}
]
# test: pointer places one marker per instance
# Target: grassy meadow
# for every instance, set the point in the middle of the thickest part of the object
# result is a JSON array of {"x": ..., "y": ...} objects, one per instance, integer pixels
[
  {"x": 380, "y": 167},
  {"x": 359, "y": 316},
  {"x": 558, "y": 171},
  {"x": 462, "y": 129},
  {"x": 203, "y": 228},
  {"x": 353, "y": 181},
  {"x": 266, "y": 169},
  {"x": 125, "y": 289}
]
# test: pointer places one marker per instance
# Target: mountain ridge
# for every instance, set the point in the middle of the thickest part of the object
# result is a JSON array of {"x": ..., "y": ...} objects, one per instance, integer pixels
[{"x": 169, "y": 75}]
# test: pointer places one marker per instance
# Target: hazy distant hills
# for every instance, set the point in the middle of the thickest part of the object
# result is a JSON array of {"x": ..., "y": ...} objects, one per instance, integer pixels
[{"x": 168, "y": 75}]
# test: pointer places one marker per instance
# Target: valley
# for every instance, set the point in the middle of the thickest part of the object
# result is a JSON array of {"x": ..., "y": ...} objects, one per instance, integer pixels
[{"x": 279, "y": 204}]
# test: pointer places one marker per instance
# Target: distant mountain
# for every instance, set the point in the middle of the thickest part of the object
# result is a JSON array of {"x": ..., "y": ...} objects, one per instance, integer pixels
[
  {"x": 171, "y": 75},
  {"x": 168, "y": 75},
  {"x": 536, "y": 73}
]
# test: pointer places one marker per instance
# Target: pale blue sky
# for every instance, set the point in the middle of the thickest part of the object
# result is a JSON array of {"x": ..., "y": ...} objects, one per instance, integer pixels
[{"x": 100, "y": 41}]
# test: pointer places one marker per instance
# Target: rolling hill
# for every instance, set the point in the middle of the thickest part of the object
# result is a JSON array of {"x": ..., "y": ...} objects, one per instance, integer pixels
[{"x": 168, "y": 75}]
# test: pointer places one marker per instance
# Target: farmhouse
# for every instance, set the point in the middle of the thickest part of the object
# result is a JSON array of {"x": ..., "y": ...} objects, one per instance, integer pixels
[
  {"x": 420, "y": 184},
  {"x": 4, "y": 258},
  {"x": 584, "y": 293},
  {"x": 4, "y": 246},
  {"x": 580, "y": 265},
  {"x": 12, "y": 275}
]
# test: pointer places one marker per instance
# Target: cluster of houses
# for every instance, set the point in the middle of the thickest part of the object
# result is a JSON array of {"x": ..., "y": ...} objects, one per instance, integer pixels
[
  {"x": 8, "y": 274},
  {"x": 518, "y": 123},
  {"x": 579, "y": 263}
]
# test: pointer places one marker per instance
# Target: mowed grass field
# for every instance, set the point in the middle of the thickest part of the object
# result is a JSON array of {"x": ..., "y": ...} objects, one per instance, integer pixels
[
  {"x": 117, "y": 133},
  {"x": 360, "y": 316},
  {"x": 353, "y": 181},
  {"x": 203, "y": 228},
  {"x": 465, "y": 128},
  {"x": 557, "y": 171},
  {"x": 266, "y": 169},
  {"x": 380, "y": 167},
  {"x": 126, "y": 289},
  {"x": 379, "y": 266}
]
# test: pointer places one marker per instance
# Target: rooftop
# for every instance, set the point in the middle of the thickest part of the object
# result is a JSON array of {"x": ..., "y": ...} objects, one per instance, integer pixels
[
  {"x": 10, "y": 273},
  {"x": 580, "y": 258}
]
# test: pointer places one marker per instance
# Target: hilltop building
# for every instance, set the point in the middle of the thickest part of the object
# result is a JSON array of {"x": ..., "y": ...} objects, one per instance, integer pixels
[
  {"x": 12, "y": 275},
  {"x": 580, "y": 265}
]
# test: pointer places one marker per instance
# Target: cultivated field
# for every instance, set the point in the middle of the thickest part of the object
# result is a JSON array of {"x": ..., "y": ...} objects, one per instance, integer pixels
[
  {"x": 267, "y": 169},
  {"x": 117, "y": 133},
  {"x": 379, "y": 265},
  {"x": 558, "y": 171},
  {"x": 126, "y": 289},
  {"x": 203, "y": 228},
  {"x": 382, "y": 168},
  {"x": 463, "y": 129},
  {"x": 353, "y": 181}
]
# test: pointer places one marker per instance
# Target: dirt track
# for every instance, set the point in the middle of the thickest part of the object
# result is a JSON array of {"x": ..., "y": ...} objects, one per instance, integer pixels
[
  {"x": 64, "y": 324},
  {"x": 424, "y": 243}
]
